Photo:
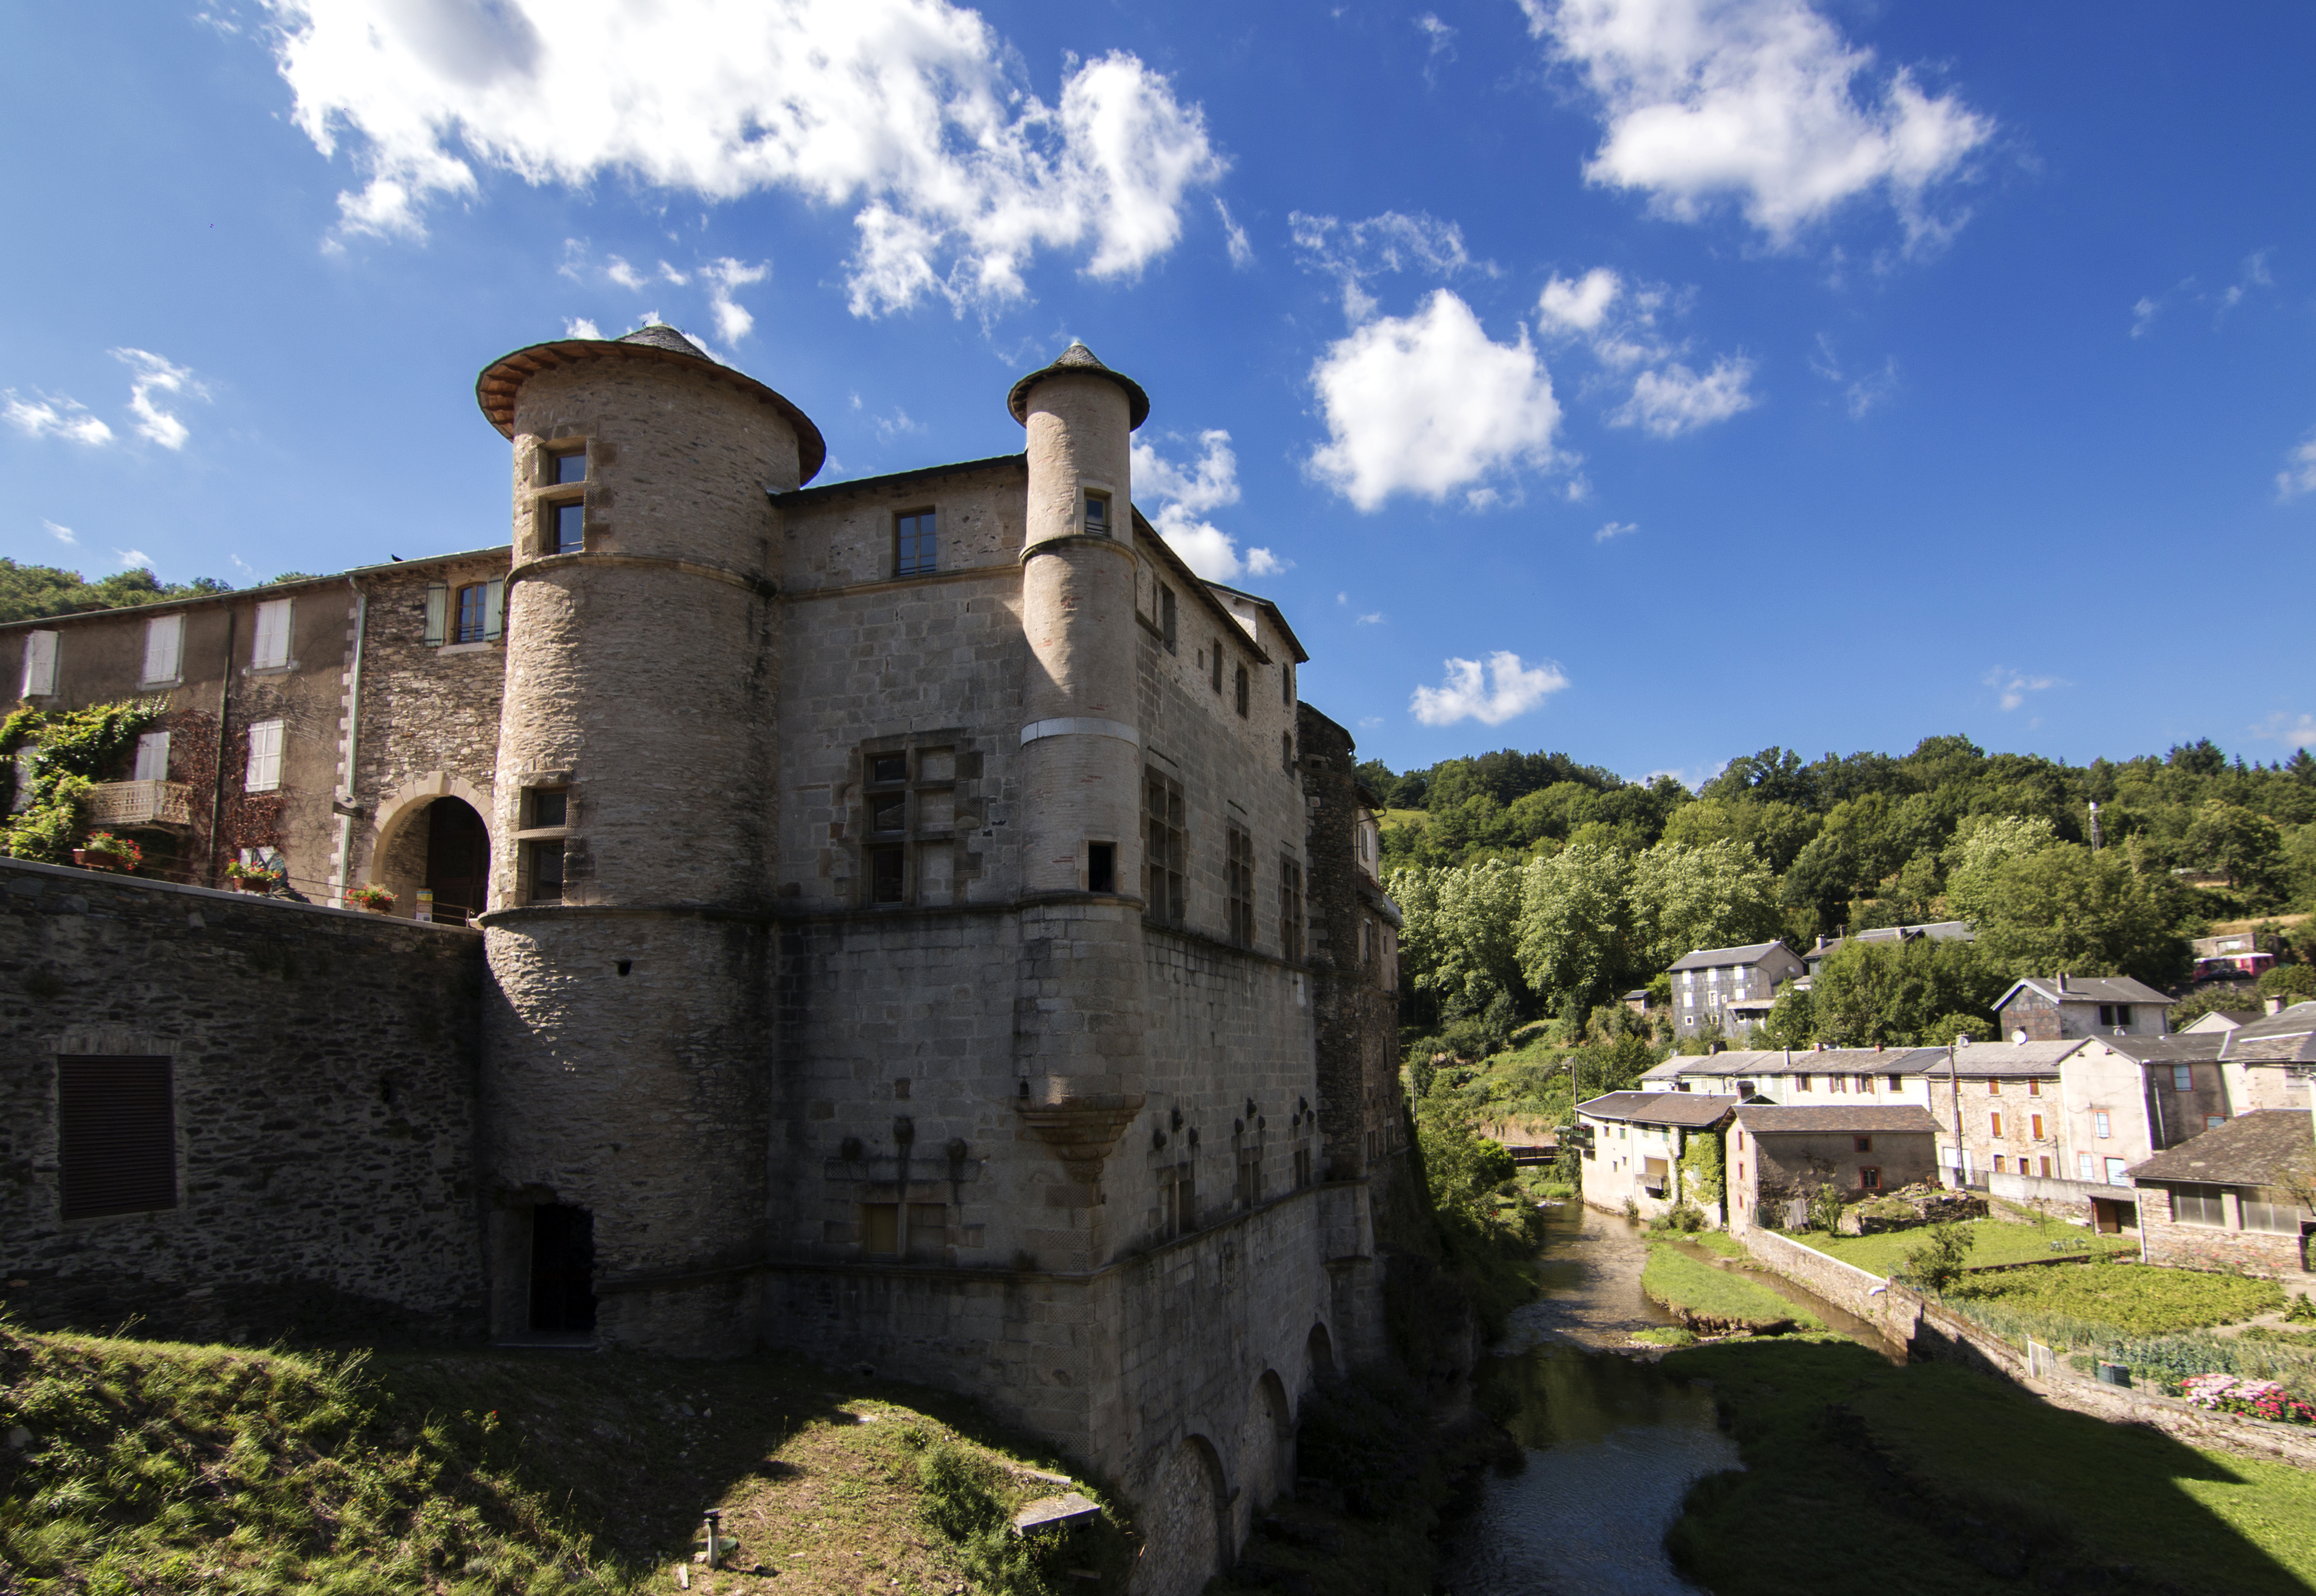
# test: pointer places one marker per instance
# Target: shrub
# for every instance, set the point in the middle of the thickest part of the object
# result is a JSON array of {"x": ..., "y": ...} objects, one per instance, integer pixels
[
  {"x": 1825, "y": 1210},
  {"x": 1937, "y": 1264}
]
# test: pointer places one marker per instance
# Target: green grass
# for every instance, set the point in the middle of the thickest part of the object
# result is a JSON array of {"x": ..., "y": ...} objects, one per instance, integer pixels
[
  {"x": 1949, "y": 1483},
  {"x": 1720, "y": 1242},
  {"x": 161, "y": 1467},
  {"x": 1712, "y": 1299},
  {"x": 2131, "y": 1299},
  {"x": 1992, "y": 1240}
]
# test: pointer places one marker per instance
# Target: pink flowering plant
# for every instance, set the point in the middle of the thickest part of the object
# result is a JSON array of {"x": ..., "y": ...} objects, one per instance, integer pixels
[{"x": 2259, "y": 1399}]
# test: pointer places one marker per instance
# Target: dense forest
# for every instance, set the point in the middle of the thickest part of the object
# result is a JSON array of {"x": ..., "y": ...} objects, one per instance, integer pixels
[{"x": 1536, "y": 888}]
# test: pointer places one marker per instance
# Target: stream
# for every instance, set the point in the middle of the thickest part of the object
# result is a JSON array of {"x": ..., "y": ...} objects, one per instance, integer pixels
[{"x": 1612, "y": 1444}]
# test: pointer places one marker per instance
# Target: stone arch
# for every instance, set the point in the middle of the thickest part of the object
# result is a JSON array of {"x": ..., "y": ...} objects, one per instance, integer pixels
[
  {"x": 1319, "y": 1353},
  {"x": 398, "y": 850},
  {"x": 1190, "y": 1540},
  {"x": 1266, "y": 1455}
]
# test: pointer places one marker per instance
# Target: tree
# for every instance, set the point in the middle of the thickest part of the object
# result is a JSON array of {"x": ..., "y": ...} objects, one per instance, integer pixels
[
  {"x": 1793, "y": 1019},
  {"x": 2288, "y": 980},
  {"x": 28, "y": 593},
  {"x": 1575, "y": 932},
  {"x": 1719, "y": 895},
  {"x": 1896, "y": 994},
  {"x": 1460, "y": 934},
  {"x": 2067, "y": 909},
  {"x": 2231, "y": 840},
  {"x": 1937, "y": 1265},
  {"x": 1985, "y": 845},
  {"x": 2201, "y": 757}
]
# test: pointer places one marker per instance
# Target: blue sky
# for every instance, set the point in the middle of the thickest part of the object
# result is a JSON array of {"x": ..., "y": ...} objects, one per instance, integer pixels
[{"x": 1652, "y": 380}]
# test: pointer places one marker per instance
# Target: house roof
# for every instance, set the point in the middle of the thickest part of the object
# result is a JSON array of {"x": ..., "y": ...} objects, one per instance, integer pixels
[
  {"x": 2222, "y": 1019},
  {"x": 1780, "y": 1061},
  {"x": 1670, "y": 1070},
  {"x": 2200, "y": 1047},
  {"x": 1937, "y": 931},
  {"x": 1690, "y": 1110},
  {"x": 2285, "y": 1038},
  {"x": 1716, "y": 958},
  {"x": 2004, "y": 1061},
  {"x": 2251, "y": 1150},
  {"x": 1782, "y": 1119},
  {"x": 1277, "y": 619},
  {"x": 2087, "y": 989},
  {"x": 2299, "y": 1019},
  {"x": 1078, "y": 361}
]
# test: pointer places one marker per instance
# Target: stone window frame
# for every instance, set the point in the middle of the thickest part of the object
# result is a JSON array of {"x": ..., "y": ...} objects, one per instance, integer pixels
[
  {"x": 1092, "y": 525},
  {"x": 549, "y": 497},
  {"x": 1166, "y": 849},
  {"x": 535, "y": 842},
  {"x": 1238, "y": 882},
  {"x": 1290, "y": 908},
  {"x": 1214, "y": 667},
  {"x": 920, "y": 556},
  {"x": 905, "y": 845},
  {"x": 1241, "y": 691}
]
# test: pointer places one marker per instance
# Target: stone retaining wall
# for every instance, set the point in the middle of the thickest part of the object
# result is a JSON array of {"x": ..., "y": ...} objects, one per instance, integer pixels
[{"x": 1929, "y": 1330}]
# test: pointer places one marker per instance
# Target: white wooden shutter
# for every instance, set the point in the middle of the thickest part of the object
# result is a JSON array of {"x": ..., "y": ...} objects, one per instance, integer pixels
[
  {"x": 494, "y": 612},
  {"x": 164, "y": 648},
  {"x": 264, "y": 773},
  {"x": 153, "y": 757},
  {"x": 438, "y": 606},
  {"x": 271, "y": 649},
  {"x": 39, "y": 663}
]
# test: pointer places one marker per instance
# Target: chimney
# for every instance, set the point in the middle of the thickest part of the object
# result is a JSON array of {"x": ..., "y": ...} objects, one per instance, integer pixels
[
  {"x": 2062, "y": 982},
  {"x": 2274, "y": 1005},
  {"x": 1821, "y": 944}
]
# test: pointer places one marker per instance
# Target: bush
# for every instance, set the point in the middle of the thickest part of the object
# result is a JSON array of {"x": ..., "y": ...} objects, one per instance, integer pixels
[
  {"x": 2288, "y": 980},
  {"x": 1937, "y": 1264},
  {"x": 1825, "y": 1210},
  {"x": 1686, "y": 1217}
]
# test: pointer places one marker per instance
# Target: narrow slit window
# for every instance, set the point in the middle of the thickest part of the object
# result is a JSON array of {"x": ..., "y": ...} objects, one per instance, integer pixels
[
  {"x": 1215, "y": 660},
  {"x": 1290, "y": 911},
  {"x": 1097, "y": 515},
  {"x": 1241, "y": 689},
  {"x": 1167, "y": 619},
  {"x": 1239, "y": 885},
  {"x": 1101, "y": 867}
]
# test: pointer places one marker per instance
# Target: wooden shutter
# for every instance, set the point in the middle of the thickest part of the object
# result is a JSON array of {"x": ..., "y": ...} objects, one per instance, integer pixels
[
  {"x": 493, "y": 611},
  {"x": 39, "y": 663},
  {"x": 264, "y": 771},
  {"x": 164, "y": 648},
  {"x": 116, "y": 1136},
  {"x": 153, "y": 757},
  {"x": 271, "y": 648},
  {"x": 437, "y": 609}
]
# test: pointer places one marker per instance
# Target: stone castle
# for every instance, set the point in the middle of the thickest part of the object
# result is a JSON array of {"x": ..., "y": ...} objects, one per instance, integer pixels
[{"x": 910, "y": 921}]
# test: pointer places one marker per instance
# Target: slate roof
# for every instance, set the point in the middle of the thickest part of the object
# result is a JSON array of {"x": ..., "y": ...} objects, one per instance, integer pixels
[
  {"x": 1077, "y": 360},
  {"x": 2201, "y": 1047},
  {"x": 1716, "y": 958},
  {"x": 2088, "y": 989},
  {"x": 2222, "y": 1019},
  {"x": 1785, "y": 1120},
  {"x": 2249, "y": 1150},
  {"x": 1801, "y": 1061},
  {"x": 2288, "y": 1037},
  {"x": 1937, "y": 931},
  {"x": 2004, "y": 1061},
  {"x": 1690, "y": 1110}
]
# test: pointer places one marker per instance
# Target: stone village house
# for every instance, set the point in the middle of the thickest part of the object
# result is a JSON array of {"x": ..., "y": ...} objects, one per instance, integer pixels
[
  {"x": 1728, "y": 991},
  {"x": 1779, "y": 1157},
  {"x": 910, "y": 921},
  {"x": 1634, "y": 1143}
]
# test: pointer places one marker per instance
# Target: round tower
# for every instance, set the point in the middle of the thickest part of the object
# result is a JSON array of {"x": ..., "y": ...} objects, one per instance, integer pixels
[
  {"x": 1079, "y": 1055},
  {"x": 628, "y": 1041}
]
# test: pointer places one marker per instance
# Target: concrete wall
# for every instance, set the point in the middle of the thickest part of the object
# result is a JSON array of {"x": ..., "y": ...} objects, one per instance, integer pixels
[{"x": 324, "y": 1068}]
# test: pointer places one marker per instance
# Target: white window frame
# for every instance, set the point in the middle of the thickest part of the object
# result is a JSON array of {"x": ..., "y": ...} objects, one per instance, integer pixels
[
  {"x": 269, "y": 647},
  {"x": 164, "y": 648},
  {"x": 152, "y": 757},
  {"x": 264, "y": 773},
  {"x": 39, "y": 665}
]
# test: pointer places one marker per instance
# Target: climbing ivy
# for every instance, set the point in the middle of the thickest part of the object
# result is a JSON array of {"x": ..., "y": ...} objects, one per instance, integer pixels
[{"x": 72, "y": 750}]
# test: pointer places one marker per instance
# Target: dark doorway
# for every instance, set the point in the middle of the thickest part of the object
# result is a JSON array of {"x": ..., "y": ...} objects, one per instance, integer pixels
[
  {"x": 458, "y": 859},
  {"x": 561, "y": 1268}
]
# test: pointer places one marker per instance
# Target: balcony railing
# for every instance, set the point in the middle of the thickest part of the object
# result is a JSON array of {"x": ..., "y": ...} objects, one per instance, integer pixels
[{"x": 140, "y": 803}]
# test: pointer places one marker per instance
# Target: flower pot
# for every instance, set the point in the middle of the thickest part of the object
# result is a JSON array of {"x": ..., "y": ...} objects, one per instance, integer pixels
[
  {"x": 248, "y": 884},
  {"x": 380, "y": 908},
  {"x": 90, "y": 859}
]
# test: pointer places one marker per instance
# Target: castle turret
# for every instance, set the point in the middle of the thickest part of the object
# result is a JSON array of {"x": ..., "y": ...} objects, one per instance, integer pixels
[
  {"x": 634, "y": 840},
  {"x": 1082, "y": 843}
]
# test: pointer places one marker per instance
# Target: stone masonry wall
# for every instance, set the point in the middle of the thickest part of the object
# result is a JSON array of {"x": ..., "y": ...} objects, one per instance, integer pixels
[
  {"x": 323, "y": 1074},
  {"x": 1356, "y": 1018},
  {"x": 2273, "y": 1253}
]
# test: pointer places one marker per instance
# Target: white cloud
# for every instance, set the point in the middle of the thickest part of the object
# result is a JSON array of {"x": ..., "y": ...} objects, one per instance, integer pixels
[
  {"x": 1676, "y": 400},
  {"x": 1756, "y": 99},
  {"x": 1614, "y": 530},
  {"x": 625, "y": 275},
  {"x": 909, "y": 112},
  {"x": 2143, "y": 316},
  {"x": 2254, "y": 274},
  {"x": 1185, "y": 492},
  {"x": 1491, "y": 694},
  {"x": 44, "y": 417},
  {"x": 1429, "y": 404},
  {"x": 899, "y": 424},
  {"x": 2013, "y": 686},
  {"x": 2298, "y": 476},
  {"x": 150, "y": 375},
  {"x": 133, "y": 559},
  {"x": 1580, "y": 305},
  {"x": 668, "y": 274},
  {"x": 1441, "y": 38},
  {"x": 61, "y": 534},
  {"x": 1369, "y": 722},
  {"x": 1353, "y": 251},
  {"x": 1860, "y": 394},
  {"x": 1241, "y": 253},
  {"x": 579, "y": 326},
  {"x": 1375, "y": 618},
  {"x": 2292, "y": 731},
  {"x": 733, "y": 321}
]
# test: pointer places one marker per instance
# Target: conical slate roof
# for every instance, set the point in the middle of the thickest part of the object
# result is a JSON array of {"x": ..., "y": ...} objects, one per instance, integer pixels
[
  {"x": 503, "y": 379},
  {"x": 1078, "y": 361}
]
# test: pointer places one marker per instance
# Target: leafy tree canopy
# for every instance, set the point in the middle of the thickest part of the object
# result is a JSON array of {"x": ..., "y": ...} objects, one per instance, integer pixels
[{"x": 29, "y": 592}]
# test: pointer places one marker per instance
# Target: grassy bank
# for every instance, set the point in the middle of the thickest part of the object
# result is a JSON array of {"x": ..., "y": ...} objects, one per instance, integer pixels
[
  {"x": 150, "y": 1467},
  {"x": 1713, "y": 1300},
  {"x": 1966, "y": 1484},
  {"x": 1992, "y": 1240}
]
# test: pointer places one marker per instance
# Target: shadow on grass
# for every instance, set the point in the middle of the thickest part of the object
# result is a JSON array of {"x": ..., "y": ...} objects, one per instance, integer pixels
[{"x": 1940, "y": 1479}]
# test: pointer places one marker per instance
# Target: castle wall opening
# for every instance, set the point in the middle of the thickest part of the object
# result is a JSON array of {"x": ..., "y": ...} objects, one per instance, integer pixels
[
  {"x": 562, "y": 1270},
  {"x": 458, "y": 861}
]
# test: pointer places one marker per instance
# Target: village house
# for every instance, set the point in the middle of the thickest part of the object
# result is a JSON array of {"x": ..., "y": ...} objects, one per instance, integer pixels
[
  {"x": 2052, "y": 1008},
  {"x": 1728, "y": 991},
  {"x": 1632, "y": 1144},
  {"x": 1808, "y": 1075},
  {"x": 1937, "y": 931},
  {"x": 2234, "y": 1198},
  {"x": 1779, "y": 1157},
  {"x": 2270, "y": 1061}
]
